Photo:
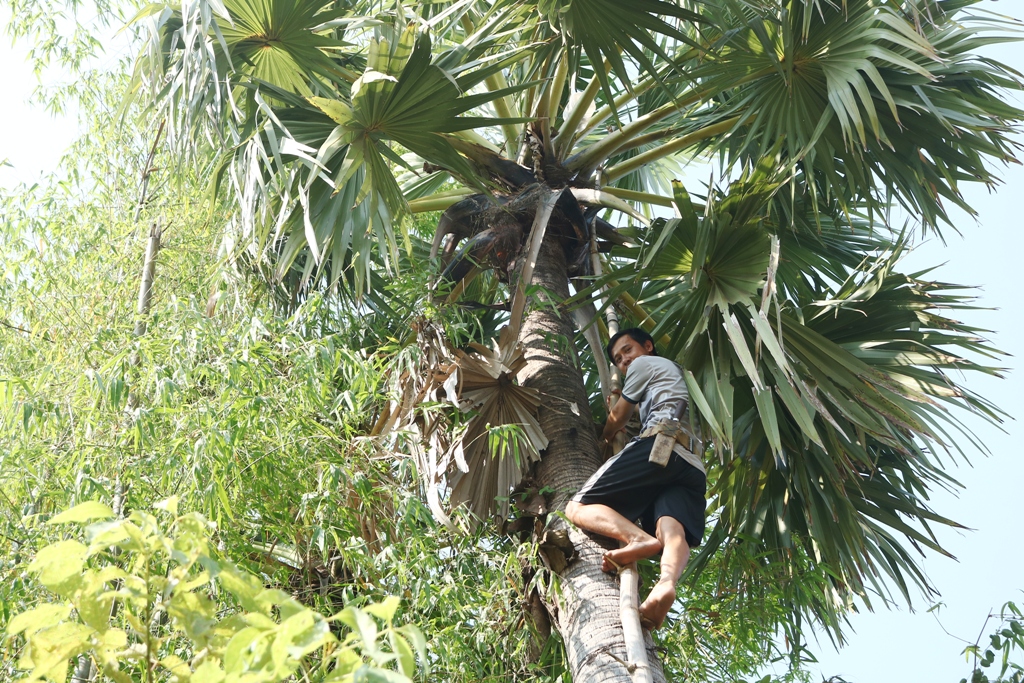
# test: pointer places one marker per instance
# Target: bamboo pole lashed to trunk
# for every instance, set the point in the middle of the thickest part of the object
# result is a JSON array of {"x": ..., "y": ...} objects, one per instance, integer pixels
[{"x": 629, "y": 609}]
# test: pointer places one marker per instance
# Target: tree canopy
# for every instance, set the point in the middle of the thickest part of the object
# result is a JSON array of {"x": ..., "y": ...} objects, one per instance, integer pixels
[{"x": 389, "y": 176}]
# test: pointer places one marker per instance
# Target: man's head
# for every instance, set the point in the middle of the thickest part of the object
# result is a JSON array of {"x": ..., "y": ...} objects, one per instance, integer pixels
[{"x": 629, "y": 344}]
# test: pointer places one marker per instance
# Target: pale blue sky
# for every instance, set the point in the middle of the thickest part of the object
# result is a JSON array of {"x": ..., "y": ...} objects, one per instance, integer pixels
[{"x": 888, "y": 645}]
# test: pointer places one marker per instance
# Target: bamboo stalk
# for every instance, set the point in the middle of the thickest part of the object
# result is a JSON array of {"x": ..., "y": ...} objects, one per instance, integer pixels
[
  {"x": 147, "y": 169},
  {"x": 629, "y": 580},
  {"x": 629, "y": 610},
  {"x": 85, "y": 668},
  {"x": 148, "y": 272},
  {"x": 145, "y": 295}
]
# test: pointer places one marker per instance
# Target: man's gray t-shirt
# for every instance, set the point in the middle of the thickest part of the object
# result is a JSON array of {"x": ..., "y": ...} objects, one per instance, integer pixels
[{"x": 657, "y": 384}]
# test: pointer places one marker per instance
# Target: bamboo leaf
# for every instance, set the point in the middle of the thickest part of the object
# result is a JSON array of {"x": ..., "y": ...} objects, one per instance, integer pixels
[{"x": 83, "y": 512}]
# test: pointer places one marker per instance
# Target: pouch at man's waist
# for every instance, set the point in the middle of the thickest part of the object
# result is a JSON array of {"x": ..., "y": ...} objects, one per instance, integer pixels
[{"x": 668, "y": 434}]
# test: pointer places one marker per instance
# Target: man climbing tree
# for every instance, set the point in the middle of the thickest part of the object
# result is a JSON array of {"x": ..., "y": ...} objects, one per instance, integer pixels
[{"x": 667, "y": 499}]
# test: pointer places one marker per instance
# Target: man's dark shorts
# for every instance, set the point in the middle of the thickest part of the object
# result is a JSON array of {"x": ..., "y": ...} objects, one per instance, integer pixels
[{"x": 643, "y": 491}]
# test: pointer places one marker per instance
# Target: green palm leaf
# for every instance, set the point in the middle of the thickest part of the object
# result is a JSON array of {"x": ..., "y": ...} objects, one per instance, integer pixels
[
  {"x": 605, "y": 28},
  {"x": 818, "y": 370},
  {"x": 201, "y": 52},
  {"x": 349, "y": 195},
  {"x": 827, "y": 405},
  {"x": 860, "y": 93},
  {"x": 278, "y": 42}
]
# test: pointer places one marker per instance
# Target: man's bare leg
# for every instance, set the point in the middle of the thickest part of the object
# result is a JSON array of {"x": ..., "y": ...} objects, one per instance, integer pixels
[
  {"x": 674, "y": 557},
  {"x": 601, "y": 519}
]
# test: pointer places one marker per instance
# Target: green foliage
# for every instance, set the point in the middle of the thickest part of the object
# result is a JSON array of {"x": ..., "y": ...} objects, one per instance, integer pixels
[
  {"x": 821, "y": 375},
  {"x": 254, "y": 413},
  {"x": 819, "y": 372},
  {"x": 730, "y": 627},
  {"x": 255, "y": 421},
  {"x": 864, "y": 94},
  {"x": 1005, "y": 640},
  {"x": 188, "y": 614},
  {"x": 604, "y": 29},
  {"x": 59, "y": 42}
]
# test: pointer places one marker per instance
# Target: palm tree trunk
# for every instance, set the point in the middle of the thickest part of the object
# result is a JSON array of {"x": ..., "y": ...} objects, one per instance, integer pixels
[{"x": 586, "y": 609}]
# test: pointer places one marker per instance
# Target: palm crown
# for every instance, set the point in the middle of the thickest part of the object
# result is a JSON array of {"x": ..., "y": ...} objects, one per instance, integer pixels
[{"x": 817, "y": 370}]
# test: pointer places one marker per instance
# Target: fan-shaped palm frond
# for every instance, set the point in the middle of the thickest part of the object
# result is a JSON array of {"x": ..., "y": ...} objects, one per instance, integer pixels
[
  {"x": 200, "y": 53},
  {"x": 872, "y": 104},
  {"x": 491, "y": 461},
  {"x": 502, "y": 438},
  {"x": 335, "y": 155},
  {"x": 604, "y": 29},
  {"x": 403, "y": 98},
  {"x": 279, "y": 42},
  {"x": 821, "y": 379}
]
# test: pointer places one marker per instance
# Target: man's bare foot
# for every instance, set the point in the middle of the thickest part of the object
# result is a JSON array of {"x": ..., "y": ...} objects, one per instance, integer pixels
[
  {"x": 643, "y": 547},
  {"x": 655, "y": 608}
]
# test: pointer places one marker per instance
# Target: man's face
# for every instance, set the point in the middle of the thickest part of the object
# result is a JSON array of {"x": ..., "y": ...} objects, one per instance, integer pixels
[{"x": 627, "y": 349}]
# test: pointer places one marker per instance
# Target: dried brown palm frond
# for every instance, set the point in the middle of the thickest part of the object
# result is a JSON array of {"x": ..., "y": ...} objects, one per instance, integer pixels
[
  {"x": 500, "y": 442},
  {"x": 504, "y": 438}
]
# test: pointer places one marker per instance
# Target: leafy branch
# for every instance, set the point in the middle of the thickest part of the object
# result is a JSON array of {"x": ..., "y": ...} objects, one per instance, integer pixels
[
  {"x": 1005, "y": 639},
  {"x": 171, "y": 588}
]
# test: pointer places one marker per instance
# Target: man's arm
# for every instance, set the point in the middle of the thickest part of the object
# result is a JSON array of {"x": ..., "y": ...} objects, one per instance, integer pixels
[{"x": 618, "y": 416}]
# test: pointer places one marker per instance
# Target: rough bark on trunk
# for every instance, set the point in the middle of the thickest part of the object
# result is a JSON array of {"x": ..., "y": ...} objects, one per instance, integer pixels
[{"x": 586, "y": 609}]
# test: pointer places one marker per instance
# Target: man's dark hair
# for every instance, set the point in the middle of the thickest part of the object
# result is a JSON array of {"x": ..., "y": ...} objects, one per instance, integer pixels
[{"x": 638, "y": 335}]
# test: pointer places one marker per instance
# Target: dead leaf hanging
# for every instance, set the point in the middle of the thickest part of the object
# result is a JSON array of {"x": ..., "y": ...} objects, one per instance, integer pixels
[
  {"x": 413, "y": 383},
  {"x": 490, "y": 461}
]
